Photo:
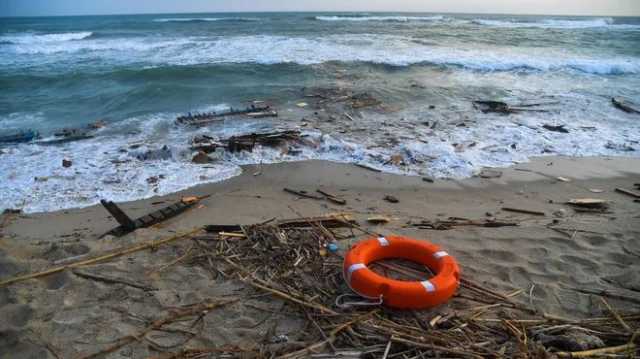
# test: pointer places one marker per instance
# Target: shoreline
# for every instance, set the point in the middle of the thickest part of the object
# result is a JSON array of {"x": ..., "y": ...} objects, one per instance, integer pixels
[
  {"x": 535, "y": 165},
  {"x": 551, "y": 260}
]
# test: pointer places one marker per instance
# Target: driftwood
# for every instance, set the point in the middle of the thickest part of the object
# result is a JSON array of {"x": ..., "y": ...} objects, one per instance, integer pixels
[
  {"x": 127, "y": 225},
  {"x": 628, "y": 192},
  {"x": 622, "y": 105},
  {"x": 459, "y": 222},
  {"x": 270, "y": 139},
  {"x": 200, "y": 119},
  {"x": 503, "y": 107},
  {"x": 559, "y": 128},
  {"x": 525, "y": 211}
]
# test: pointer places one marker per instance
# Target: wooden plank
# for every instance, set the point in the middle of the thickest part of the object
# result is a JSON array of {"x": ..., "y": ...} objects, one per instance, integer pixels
[
  {"x": 525, "y": 211},
  {"x": 118, "y": 214},
  {"x": 628, "y": 192}
]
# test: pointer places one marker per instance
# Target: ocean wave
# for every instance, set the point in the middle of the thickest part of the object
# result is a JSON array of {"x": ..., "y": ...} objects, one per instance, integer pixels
[
  {"x": 556, "y": 23},
  {"x": 380, "y": 18},
  {"x": 205, "y": 19},
  {"x": 367, "y": 48},
  {"x": 31, "y": 38},
  {"x": 110, "y": 165}
]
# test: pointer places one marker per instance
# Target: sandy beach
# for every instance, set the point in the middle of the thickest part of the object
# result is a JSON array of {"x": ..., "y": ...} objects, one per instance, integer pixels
[{"x": 555, "y": 259}]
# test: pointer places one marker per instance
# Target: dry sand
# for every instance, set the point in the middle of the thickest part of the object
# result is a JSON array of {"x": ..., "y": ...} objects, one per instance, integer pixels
[{"x": 66, "y": 315}]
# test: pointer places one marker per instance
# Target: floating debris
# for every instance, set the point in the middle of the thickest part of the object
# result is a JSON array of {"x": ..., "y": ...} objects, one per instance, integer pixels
[{"x": 256, "y": 110}]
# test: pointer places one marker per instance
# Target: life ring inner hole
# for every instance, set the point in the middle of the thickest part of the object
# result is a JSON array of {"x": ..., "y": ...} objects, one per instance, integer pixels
[{"x": 401, "y": 269}]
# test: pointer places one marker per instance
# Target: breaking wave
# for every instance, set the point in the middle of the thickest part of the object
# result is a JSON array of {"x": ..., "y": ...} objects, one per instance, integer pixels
[
  {"x": 556, "y": 23},
  {"x": 387, "y": 49},
  {"x": 205, "y": 19},
  {"x": 30, "y": 38},
  {"x": 380, "y": 18}
]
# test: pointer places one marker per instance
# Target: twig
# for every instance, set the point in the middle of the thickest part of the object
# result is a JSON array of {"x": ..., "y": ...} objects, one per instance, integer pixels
[
  {"x": 113, "y": 280},
  {"x": 626, "y": 348},
  {"x": 119, "y": 253},
  {"x": 617, "y": 316}
]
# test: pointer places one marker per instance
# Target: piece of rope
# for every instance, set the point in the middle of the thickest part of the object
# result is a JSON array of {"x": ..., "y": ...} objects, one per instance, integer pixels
[{"x": 358, "y": 301}]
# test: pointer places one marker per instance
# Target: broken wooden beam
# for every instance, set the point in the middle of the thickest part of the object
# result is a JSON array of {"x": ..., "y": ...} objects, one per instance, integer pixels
[
  {"x": 119, "y": 215},
  {"x": 127, "y": 225},
  {"x": 525, "y": 211},
  {"x": 628, "y": 192}
]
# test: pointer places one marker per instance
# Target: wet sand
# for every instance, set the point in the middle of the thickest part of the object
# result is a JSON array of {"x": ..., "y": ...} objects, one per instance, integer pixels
[{"x": 67, "y": 315}]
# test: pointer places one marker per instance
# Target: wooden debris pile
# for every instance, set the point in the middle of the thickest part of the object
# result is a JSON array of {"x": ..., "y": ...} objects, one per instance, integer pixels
[
  {"x": 299, "y": 263},
  {"x": 248, "y": 142}
]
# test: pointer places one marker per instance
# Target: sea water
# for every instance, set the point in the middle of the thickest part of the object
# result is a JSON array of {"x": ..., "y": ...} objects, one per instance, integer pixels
[{"x": 137, "y": 73}]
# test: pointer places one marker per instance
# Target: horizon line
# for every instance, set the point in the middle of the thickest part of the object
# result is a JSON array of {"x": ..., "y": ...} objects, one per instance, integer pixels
[{"x": 311, "y": 12}]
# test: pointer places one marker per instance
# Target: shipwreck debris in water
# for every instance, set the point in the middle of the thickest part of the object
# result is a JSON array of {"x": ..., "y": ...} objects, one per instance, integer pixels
[
  {"x": 256, "y": 110},
  {"x": 20, "y": 137},
  {"x": 623, "y": 105}
]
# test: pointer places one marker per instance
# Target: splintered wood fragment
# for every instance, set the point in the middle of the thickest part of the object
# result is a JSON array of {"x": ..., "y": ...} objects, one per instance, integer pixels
[
  {"x": 626, "y": 348},
  {"x": 304, "y": 194},
  {"x": 112, "y": 280},
  {"x": 217, "y": 228},
  {"x": 622, "y": 105},
  {"x": 525, "y": 211},
  {"x": 367, "y": 167},
  {"x": 332, "y": 198},
  {"x": 118, "y": 214},
  {"x": 628, "y": 192},
  {"x": 378, "y": 219},
  {"x": 587, "y": 202},
  {"x": 127, "y": 225}
]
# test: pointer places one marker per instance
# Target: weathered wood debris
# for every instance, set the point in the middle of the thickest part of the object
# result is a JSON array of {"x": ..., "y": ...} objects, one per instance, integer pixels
[
  {"x": 299, "y": 263},
  {"x": 256, "y": 110},
  {"x": 247, "y": 142},
  {"x": 453, "y": 222},
  {"x": 487, "y": 106},
  {"x": 128, "y": 225},
  {"x": 623, "y": 105}
]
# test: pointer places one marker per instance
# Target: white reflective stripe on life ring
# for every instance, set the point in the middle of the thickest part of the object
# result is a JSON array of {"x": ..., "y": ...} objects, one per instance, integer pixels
[
  {"x": 428, "y": 286},
  {"x": 383, "y": 241},
  {"x": 352, "y": 268},
  {"x": 440, "y": 254}
]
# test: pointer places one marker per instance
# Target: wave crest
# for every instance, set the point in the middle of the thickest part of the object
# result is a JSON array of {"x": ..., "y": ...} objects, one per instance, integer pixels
[
  {"x": 556, "y": 23},
  {"x": 31, "y": 38},
  {"x": 205, "y": 19},
  {"x": 380, "y": 18}
]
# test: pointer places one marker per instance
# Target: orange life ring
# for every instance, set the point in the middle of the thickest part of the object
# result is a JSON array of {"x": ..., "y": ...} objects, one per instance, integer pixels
[{"x": 396, "y": 293}]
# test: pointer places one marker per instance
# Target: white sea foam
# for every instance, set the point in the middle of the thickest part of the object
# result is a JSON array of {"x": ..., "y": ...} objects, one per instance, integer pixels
[
  {"x": 32, "y": 38},
  {"x": 108, "y": 166},
  {"x": 269, "y": 49},
  {"x": 205, "y": 19},
  {"x": 380, "y": 18},
  {"x": 557, "y": 24}
]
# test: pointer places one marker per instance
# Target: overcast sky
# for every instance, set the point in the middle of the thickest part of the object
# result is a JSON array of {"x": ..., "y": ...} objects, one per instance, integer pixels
[{"x": 83, "y": 7}]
